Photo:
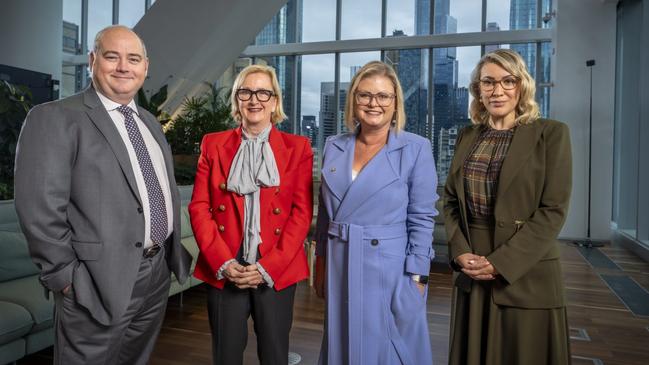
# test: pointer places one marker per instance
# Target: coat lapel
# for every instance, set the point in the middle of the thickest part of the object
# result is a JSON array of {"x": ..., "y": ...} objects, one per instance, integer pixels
[
  {"x": 520, "y": 149},
  {"x": 461, "y": 153},
  {"x": 463, "y": 149},
  {"x": 282, "y": 155},
  {"x": 99, "y": 116},
  {"x": 336, "y": 171},
  {"x": 226, "y": 152},
  {"x": 379, "y": 172}
]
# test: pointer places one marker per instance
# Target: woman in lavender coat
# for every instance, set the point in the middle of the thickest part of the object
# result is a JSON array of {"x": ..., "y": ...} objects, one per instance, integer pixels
[{"x": 375, "y": 230}]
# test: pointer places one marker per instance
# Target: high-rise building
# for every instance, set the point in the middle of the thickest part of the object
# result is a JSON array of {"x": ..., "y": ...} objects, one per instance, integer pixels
[
  {"x": 407, "y": 64},
  {"x": 522, "y": 15},
  {"x": 492, "y": 27},
  {"x": 309, "y": 129},
  {"x": 285, "y": 27},
  {"x": 328, "y": 110}
]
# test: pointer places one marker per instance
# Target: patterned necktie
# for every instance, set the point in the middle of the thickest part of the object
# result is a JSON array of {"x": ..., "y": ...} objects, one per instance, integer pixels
[{"x": 157, "y": 207}]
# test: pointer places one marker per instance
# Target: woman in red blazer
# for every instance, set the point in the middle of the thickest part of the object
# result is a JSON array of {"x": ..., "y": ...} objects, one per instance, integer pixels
[{"x": 251, "y": 210}]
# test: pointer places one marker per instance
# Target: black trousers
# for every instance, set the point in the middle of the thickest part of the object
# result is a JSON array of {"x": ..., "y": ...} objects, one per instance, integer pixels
[{"x": 272, "y": 314}]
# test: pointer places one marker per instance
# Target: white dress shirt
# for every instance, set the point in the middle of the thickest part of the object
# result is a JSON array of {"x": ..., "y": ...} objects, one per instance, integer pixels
[{"x": 157, "y": 159}]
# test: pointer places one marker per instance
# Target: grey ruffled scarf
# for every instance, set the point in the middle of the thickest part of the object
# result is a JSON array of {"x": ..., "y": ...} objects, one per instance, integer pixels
[{"x": 253, "y": 166}]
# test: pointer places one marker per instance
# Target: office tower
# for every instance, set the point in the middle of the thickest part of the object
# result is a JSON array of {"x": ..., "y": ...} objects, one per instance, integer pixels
[
  {"x": 522, "y": 15},
  {"x": 285, "y": 27},
  {"x": 492, "y": 27},
  {"x": 328, "y": 112},
  {"x": 309, "y": 129},
  {"x": 407, "y": 64}
]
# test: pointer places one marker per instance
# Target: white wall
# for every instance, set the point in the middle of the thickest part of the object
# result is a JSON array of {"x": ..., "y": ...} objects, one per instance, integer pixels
[
  {"x": 31, "y": 35},
  {"x": 585, "y": 30}
]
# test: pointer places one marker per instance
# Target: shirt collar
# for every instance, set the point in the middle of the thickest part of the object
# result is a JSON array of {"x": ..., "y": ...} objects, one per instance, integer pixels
[{"x": 111, "y": 105}]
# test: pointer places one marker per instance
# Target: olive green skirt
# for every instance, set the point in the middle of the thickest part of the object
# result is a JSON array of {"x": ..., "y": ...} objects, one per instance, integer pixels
[{"x": 483, "y": 332}]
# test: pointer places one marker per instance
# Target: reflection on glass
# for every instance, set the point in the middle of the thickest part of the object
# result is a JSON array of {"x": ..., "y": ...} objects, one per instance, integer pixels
[
  {"x": 319, "y": 20},
  {"x": 130, "y": 12},
  {"x": 361, "y": 19},
  {"x": 100, "y": 15},
  {"x": 284, "y": 69},
  {"x": 284, "y": 27},
  {"x": 400, "y": 15},
  {"x": 317, "y": 118},
  {"x": 452, "y": 69}
]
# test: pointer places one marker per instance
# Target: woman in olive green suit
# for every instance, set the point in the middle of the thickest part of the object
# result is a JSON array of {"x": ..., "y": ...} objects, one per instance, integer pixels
[{"x": 506, "y": 199}]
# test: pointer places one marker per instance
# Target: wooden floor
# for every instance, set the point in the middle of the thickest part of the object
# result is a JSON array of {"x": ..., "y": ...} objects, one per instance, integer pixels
[{"x": 604, "y": 330}]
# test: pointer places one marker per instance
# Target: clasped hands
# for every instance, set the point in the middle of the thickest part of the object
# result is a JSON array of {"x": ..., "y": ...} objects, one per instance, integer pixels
[
  {"x": 476, "y": 267},
  {"x": 243, "y": 277}
]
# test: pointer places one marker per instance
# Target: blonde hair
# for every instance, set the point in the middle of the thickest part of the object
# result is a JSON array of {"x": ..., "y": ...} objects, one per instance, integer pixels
[
  {"x": 527, "y": 110},
  {"x": 375, "y": 68},
  {"x": 278, "y": 115}
]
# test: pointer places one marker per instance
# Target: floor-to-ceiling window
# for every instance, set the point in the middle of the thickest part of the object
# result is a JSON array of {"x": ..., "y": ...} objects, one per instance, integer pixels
[
  {"x": 630, "y": 214},
  {"x": 82, "y": 19},
  {"x": 434, "y": 67}
]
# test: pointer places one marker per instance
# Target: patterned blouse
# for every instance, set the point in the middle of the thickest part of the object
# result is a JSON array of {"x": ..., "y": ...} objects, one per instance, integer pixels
[{"x": 482, "y": 169}]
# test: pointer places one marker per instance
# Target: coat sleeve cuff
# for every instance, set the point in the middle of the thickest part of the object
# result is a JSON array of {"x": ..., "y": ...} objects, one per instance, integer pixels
[
  {"x": 219, "y": 273},
  {"x": 265, "y": 275},
  {"x": 59, "y": 280},
  {"x": 418, "y": 264}
]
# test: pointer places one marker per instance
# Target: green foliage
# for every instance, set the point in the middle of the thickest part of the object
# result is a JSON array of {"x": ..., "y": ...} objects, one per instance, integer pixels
[
  {"x": 153, "y": 104},
  {"x": 15, "y": 102},
  {"x": 200, "y": 115}
]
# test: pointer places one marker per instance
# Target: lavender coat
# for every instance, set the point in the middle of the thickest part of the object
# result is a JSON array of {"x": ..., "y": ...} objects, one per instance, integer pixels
[{"x": 375, "y": 232}]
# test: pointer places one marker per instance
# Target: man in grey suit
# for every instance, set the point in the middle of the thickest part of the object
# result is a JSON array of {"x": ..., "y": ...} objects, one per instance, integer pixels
[{"x": 99, "y": 205}]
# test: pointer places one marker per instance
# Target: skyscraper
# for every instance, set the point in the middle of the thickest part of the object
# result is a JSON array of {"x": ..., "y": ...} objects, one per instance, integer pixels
[
  {"x": 492, "y": 27},
  {"x": 522, "y": 15},
  {"x": 407, "y": 64},
  {"x": 285, "y": 27},
  {"x": 449, "y": 102},
  {"x": 328, "y": 111}
]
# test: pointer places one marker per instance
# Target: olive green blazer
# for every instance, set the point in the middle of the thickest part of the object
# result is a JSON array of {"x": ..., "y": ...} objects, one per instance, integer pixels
[{"x": 530, "y": 208}]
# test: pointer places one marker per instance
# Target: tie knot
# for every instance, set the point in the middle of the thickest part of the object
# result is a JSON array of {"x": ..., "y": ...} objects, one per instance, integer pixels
[{"x": 125, "y": 110}]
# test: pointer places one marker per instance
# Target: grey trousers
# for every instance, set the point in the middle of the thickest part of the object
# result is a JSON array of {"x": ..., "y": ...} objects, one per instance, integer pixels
[
  {"x": 79, "y": 339},
  {"x": 272, "y": 314}
]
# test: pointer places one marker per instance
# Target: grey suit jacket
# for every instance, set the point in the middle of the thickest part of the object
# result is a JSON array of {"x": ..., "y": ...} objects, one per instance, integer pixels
[{"x": 79, "y": 206}]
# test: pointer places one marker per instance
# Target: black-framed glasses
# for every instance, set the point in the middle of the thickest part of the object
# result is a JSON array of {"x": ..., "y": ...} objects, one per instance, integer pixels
[
  {"x": 261, "y": 94},
  {"x": 507, "y": 83},
  {"x": 365, "y": 98}
]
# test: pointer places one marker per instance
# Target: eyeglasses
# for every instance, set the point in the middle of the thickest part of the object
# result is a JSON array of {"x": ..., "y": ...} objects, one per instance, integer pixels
[
  {"x": 507, "y": 83},
  {"x": 261, "y": 94},
  {"x": 365, "y": 98}
]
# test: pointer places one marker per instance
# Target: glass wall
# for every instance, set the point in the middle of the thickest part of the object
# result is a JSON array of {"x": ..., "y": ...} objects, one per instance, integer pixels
[
  {"x": 435, "y": 80},
  {"x": 320, "y": 112},
  {"x": 630, "y": 214}
]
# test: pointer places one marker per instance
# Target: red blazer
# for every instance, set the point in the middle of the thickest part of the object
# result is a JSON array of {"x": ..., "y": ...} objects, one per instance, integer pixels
[{"x": 286, "y": 211}]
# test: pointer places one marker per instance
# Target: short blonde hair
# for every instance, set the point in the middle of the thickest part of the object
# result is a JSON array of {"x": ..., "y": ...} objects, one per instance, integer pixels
[
  {"x": 527, "y": 110},
  {"x": 278, "y": 115},
  {"x": 375, "y": 68}
]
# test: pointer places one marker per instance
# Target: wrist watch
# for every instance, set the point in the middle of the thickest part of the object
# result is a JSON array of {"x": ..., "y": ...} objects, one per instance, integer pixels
[{"x": 421, "y": 279}]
